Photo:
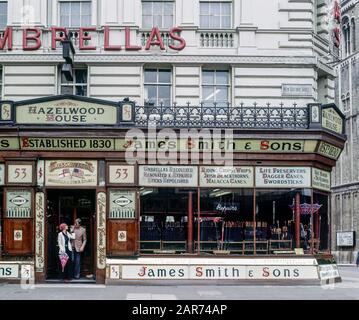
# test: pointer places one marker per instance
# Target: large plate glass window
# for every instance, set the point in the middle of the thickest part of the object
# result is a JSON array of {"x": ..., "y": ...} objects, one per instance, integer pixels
[
  {"x": 158, "y": 86},
  {"x": 75, "y": 13},
  {"x": 215, "y": 15},
  {"x": 157, "y": 14},
  {"x": 3, "y": 14},
  {"x": 79, "y": 84},
  {"x": 215, "y": 87}
]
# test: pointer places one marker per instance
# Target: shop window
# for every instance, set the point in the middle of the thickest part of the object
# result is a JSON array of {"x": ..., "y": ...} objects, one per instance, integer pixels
[
  {"x": 158, "y": 84},
  {"x": 215, "y": 87},
  {"x": 79, "y": 84},
  {"x": 226, "y": 221},
  {"x": 215, "y": 15},
  {"x": 3, "y": 14},
  {"x": 164, "y": 220},
  {"x": 75, "y": 13},
  {"x": 157, "y": 14}
]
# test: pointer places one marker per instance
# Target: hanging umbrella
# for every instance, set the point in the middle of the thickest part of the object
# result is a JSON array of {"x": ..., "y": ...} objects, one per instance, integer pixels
[
  {"x": 306, "y": 208},
  {"x": 63, "y": 259}
]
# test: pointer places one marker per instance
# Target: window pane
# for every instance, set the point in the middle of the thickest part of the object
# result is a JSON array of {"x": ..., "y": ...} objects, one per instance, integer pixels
[
  {"x": 150, "y": 76},
  {"x": 66, "y": 90},
  {"x": 222, "y": 77},
  {"x": 75, "y": 8},
  {"x": 75, "y": 21},
  {"x": 204, "y": 8},
  {"x": 64, "y": 8},
  {"x": 164, "y": 92},
  {"x": 222, "y": 94},
  {"x": 81, "y": 90},
  {"x": 157, "y": 21},
  {"x": 226, "y": 22},
  {"x": 208, "y": 94},
  {"x": 146, "y": 8},
  {"x": 204, "y": 22},
  {"x": 157, "y": 8},
  {"x": 81, "y": 76},
  {"x": 215, "y": 22},
  {"x": 63, "y": 79},
  {"x": 151, "y": 93},
  {"x": 85, "y": 21},
  {"x": 86, "y": 8},
  {"x": 64, "y": 21},
  {"x": 164, "y": 76},
  {"x": 167, "y": 21},
  {"x": 208, "y": 77},
  {"x": 168, "y": 8},
  {"x": 146, "y": 21},
  {"x": 215, "y": 8},
  {"x": 226, "y": 9}
]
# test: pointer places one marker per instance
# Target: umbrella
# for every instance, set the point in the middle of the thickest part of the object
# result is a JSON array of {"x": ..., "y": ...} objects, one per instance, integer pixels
[{"x": 63, "y": 258}]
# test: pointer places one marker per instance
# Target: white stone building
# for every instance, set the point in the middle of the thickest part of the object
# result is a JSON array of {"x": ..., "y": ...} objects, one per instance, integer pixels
[
  {"x": 345, "y": 185},
  {"x": 239, "y": 51}
]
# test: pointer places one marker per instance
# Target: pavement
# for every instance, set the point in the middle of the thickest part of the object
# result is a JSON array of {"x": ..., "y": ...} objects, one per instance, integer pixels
[{"x": 348, "y": 289}]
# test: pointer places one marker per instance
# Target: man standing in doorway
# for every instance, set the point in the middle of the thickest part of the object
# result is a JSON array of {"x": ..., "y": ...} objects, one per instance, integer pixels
[{"x": 78, "y": 246}]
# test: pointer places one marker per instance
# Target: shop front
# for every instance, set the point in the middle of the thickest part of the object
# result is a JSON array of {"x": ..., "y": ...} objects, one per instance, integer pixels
[{"x": 252, "y": 203}]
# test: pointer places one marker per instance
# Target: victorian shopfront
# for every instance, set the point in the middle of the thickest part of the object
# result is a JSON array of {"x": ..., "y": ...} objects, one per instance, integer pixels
[{"x": 237, "y": 193}]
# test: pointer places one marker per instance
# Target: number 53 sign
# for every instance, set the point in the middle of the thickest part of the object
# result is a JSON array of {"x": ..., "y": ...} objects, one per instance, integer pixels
[
  {"x": 20, "y": 173},
  {"x": 121, "y": 174}
]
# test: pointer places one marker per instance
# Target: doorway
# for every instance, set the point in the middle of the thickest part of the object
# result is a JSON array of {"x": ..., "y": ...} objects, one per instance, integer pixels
[{"x": 64, "y": 206}]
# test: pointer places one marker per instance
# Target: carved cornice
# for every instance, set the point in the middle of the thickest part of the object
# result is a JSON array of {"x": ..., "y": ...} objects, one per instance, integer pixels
[{"x": 153, "y": 58}]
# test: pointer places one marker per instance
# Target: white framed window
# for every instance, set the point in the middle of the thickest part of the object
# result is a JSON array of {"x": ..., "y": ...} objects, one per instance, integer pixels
[
  {"x": 158, "y": 86},
  {"x": 157, "y": 14},
  {"x": 3, "y": 14},
  {"x": 215, "y": 15},
  {"x": 79, "y": 85},
  {"x": 215, "y": 87},
  {"x": 74, "y": 14}
]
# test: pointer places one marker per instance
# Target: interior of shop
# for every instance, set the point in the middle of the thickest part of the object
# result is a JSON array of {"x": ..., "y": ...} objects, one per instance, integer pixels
[{"x": 229, "y": 221}]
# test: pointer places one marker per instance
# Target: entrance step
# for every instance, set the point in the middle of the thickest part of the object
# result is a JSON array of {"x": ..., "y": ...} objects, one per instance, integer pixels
[{"x": 75, "y": 281}]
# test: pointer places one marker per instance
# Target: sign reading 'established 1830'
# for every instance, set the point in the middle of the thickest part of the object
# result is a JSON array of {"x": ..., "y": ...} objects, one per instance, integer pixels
[
  {"x": 239, "y": 177},
  {"x": 283, "y": 177},
  {"x": 70, "y": 173},
  {"x": 70, "y": 112}
]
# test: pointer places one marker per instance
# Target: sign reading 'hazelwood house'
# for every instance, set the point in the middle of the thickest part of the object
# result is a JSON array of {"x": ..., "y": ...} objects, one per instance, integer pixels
[{"x": 70, "y": 112}]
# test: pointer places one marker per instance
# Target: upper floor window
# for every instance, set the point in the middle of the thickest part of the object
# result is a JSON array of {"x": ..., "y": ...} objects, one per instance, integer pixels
[
  {"x": 79, "y": 84},
  {"x": 3, "y": 14},
  {"x": 353, "y": 34},
  {"x": 346, "y": 36},
  {"x": 75, "y": 13},
  {"x": 158, "y": 86},
  {"x": 215, "y": 15},
  {"x": 215, "y": 87},
  {"x": 157, "y": 14}
]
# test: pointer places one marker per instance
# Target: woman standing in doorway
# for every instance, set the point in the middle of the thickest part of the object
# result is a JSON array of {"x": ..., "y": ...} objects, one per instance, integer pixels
[{"x": 65, "y": 247}]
